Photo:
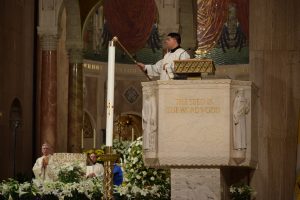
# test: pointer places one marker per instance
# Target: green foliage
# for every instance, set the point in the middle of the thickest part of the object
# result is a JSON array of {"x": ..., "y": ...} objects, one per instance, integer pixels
[{"x": 9, "y": 189}]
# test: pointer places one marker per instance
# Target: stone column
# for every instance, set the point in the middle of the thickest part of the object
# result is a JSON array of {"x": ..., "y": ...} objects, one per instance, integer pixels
[
  {"x": 75, "y": 107},
  {"x": 48, "y": 117}
]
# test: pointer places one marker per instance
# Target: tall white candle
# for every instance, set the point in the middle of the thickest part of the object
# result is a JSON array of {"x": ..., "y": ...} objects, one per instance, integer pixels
[
  {"x": 81, "y": 138},
  {"x": 94, "y": 136},
  {"x": 110, "y": 93}
]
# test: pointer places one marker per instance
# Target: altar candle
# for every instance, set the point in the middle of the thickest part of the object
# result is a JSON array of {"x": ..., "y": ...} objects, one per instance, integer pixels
[
  {"x": 94, "y": 136},
  {"x": 110, "y": 93}
]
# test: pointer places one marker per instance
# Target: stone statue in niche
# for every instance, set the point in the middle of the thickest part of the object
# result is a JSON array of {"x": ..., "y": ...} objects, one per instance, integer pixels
[
  {"x": 149, "y": 114},
  {"x": 240, "y": 109}
]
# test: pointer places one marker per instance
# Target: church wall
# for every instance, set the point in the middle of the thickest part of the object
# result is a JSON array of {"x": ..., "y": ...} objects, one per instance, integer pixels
[
  {"x": 16, "y": 81},
  {"x": 274, "y": 68}
]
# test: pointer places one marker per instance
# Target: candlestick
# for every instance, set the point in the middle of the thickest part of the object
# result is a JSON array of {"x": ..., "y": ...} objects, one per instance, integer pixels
[
  {"x": 132, "y": 134},
  {"x": 94, "y": 136},
  {"x": 81, "y": 138},
  {"x": 110, "y": 93}
]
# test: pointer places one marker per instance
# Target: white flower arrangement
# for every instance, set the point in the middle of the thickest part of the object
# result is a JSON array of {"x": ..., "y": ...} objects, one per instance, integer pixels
[
  {"x": 27, "y": 189},
  {"x": 141, "y": 182},
  {"x": 89, "y": 188},
  {"x": 71, "y": 172},
  {"x": 121, "y": 147},
  {"x": 241, "y": 191}
]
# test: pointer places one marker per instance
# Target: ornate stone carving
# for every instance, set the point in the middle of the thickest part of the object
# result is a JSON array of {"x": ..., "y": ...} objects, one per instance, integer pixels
[
  {"x": 240, "y": 110},
  {"x": 61, "y": 158},
  {"x": 49, "y": 11},
  {"x": 149, "y": 118},
  {"x": 149, "y": 122}
]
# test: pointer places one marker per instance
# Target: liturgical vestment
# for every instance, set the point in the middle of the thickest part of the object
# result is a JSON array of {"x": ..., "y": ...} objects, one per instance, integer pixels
[
  {"x": 165, "y": 67},
  {"x": 42, "y": 173}
]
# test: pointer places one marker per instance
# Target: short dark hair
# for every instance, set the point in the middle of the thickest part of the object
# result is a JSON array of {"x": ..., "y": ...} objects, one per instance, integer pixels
[{"x": 176, "y": 36}]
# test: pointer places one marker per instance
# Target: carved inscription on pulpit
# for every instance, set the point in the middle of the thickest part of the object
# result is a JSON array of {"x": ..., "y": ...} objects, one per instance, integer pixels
[
  {"x": 197, "y": 105},
  {"x": 198, "y": 123}
]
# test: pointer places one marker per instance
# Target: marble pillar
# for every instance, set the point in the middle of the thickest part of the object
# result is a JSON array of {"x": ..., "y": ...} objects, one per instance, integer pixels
[
  {"x": 48, "y": 103},
  {"x": 75, "y": 106}
]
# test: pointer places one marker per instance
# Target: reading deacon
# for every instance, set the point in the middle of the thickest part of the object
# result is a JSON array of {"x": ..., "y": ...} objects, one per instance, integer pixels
[{"x": 165, "y": 67}]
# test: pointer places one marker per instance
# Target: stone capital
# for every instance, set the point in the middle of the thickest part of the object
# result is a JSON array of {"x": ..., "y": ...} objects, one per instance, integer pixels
[
  {"x": 75, "y": 55},
  {"x": 48, "y": 42}
]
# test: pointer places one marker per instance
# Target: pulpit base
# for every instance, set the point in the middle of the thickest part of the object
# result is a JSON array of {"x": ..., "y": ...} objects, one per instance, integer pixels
[{"x": 196, "y": 184}]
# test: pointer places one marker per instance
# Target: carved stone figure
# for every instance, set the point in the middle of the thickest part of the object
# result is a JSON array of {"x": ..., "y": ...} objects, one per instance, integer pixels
[
  {"x": 149, "y": 115},
  {"x": 240, "y": 110}
]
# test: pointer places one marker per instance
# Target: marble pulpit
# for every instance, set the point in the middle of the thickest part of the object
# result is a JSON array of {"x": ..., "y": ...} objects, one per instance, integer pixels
[{"x": 196, "y": 127}]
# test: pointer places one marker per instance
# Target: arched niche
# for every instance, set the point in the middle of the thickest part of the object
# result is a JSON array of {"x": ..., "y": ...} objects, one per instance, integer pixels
[
  {"x": 128, "y": 126},
  {"x": 15, "y": 115},
  {"x": 15, "y": 120}
]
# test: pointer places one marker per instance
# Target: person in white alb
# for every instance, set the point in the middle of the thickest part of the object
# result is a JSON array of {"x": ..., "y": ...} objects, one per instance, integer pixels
[
  {"x": 42, "y": 167},
  {"x": 165, "y": 67},
  {"x": 94, "y": 170}
]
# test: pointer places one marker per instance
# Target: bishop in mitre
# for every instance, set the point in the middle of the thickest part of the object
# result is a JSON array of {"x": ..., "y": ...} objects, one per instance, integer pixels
[
  {"x": 165, "y": 67},
  {"x": 41, "y": 169}
]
